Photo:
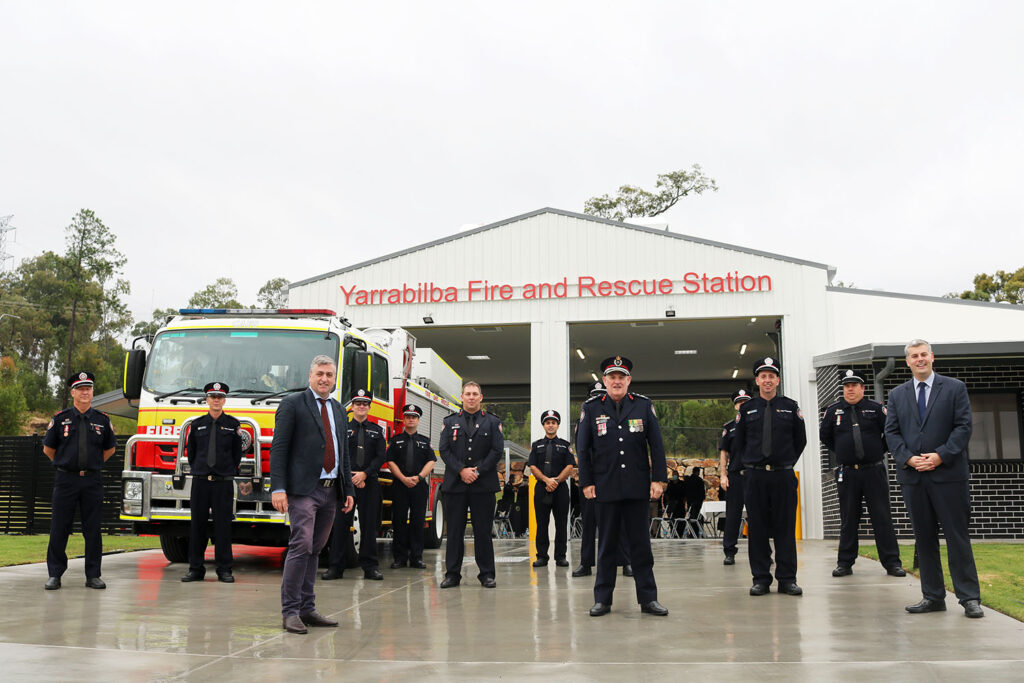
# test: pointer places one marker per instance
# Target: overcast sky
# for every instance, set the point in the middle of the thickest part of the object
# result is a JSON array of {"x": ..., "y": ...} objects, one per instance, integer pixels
[{"x": 247, "y": 139}]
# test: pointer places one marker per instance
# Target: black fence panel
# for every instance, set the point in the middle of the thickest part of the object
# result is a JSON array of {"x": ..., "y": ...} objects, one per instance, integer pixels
[{"x": 26, "y": 487}]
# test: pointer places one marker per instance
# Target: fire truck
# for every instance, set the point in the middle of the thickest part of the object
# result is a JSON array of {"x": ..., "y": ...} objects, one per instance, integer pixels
[{"x": 263, "y": 356}]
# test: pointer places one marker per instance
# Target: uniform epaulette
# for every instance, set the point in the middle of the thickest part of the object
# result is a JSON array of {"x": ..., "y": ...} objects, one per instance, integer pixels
[
  {"x": 592, "y": 398},
  {"x": 636, "y": 395},
  {"x": 833, "y": 403}
]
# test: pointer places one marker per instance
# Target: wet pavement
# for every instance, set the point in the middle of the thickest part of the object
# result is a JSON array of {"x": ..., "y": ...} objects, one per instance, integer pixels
[{"x": 148, "y": 625}]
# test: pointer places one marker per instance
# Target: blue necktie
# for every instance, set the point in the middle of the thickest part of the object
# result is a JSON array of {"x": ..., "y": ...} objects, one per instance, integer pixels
[{"x": 922, "y": 404}]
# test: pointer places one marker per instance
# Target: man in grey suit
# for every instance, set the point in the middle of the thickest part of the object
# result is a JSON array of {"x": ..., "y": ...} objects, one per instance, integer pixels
[
  {"x": 309, "y": 467},
  {"x": 927, "y": 429}
]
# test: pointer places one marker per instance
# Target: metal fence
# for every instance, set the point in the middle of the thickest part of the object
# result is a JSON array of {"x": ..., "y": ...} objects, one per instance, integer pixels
[{"x": 26, "y": 487}]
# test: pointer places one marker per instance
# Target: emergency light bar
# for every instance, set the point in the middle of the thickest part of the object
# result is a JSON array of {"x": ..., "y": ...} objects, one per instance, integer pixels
[{"x": 256, "y": 311}]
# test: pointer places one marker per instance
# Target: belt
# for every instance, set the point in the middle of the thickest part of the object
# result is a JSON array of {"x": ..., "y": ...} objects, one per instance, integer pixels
[
  {"x": 769, "y": 468},
  {"x": 327, "y": 483},
  {"x": 215, "y": 477},
  {"x": 81, "y": 473},
  {"x": 865, "y": 465}
]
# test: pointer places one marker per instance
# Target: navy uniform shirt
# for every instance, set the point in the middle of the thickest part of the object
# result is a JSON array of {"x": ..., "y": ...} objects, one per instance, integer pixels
[
  {"x": 62, "y": 434},
  {"x": 463, "y": 445},
  {"x": 422, "y": 453},
  {"x": 372, "y": 457},
  {"x": 561, "y": 456},
  {"x": 789, "y": 436},
  {"x": 229, "y": 445},
  {"x": 836, "y": 431},
  {"x": 620, "y": 450},
  {"x": 725, "y": 444}
]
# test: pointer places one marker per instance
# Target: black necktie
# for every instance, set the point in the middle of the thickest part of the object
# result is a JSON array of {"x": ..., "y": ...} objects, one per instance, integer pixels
[
  {"x": 360, "y": 445},
  {"x": 922, "y": 400},
  {"x": 211, "y": 452},
  {"x": 83, "y": 443},
  {"x": 858, "y": 440},
  {"x": 549, "y": 457},
  {"x": 410, "y": 456},
  {"x": 766, "y": 431}
]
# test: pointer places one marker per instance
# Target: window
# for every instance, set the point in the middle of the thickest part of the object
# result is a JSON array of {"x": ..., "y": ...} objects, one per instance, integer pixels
[
  {"x": 996, "y": 434},
  {"x": 379, "y": 378}
]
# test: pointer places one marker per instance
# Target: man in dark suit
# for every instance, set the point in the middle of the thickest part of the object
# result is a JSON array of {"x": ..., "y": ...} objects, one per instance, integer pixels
[
  {"x": 309, "y": 471},
  {"x": 471, "y": 444},
  {"x": 928, "y": 428},
  {"x": 622, "y": 467}
]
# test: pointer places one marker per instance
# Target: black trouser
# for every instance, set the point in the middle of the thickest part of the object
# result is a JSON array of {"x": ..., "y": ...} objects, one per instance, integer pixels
[
  {"x": 480, "y": 506},
  {"x": 207, "y": 496},
  {"x": 368, "y": 504},
  {"x": 408, "y": 512},
  {"x": 72, "y": 491},
  {"x": 733, "y": 511},
  {"x": 628, "y": 517},
  {"x": 560, "y": 505},
  {"x": 869, "y": 485},
  {"x": 771, "y": 512},
  {"x": 588, "y": 511},
  {"x": 948, "y": 504}
]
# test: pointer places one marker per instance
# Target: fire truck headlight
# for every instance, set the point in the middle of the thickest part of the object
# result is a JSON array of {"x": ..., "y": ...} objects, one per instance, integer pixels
[{"x": 133, "y": 489}]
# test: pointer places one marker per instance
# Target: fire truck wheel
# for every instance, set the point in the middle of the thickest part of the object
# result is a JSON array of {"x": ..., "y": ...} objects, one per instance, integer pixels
[
  {"x": 435, "y": 527},
  {"x": 175, "y": 547}
]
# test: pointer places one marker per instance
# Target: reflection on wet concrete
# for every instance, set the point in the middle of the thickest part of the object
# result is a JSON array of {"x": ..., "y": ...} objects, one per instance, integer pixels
[{"x": 149, "y": 626}]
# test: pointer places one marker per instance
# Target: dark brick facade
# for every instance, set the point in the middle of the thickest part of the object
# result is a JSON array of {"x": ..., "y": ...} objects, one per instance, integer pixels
[{"x": 997, "y": 486}]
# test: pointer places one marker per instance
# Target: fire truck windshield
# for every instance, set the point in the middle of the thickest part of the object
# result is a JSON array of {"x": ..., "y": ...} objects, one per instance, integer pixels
[{"x": 248, "y": 361}]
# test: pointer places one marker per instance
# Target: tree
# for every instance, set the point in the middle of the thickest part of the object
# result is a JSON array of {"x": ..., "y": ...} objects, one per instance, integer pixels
[
  {"x": 160, "y": 315},
  {"x": 89, "y": 272},
  {"x": 1000, "y": 286},
  {"x": 12, "y": 399},
  {"x": 274, "y": 294},
  {"x": 634, "y": 201},
  {"x": 222, "y": 293}
]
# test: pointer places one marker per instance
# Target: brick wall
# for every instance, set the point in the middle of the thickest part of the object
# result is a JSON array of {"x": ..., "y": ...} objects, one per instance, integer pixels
[{"x": 997, "y": 487}]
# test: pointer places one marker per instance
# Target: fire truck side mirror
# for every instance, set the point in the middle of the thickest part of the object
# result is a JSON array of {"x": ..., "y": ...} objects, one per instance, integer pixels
[{"x": 134, "y": 367}]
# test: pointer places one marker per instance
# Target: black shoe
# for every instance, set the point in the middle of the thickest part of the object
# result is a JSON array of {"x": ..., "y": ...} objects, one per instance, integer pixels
[
  {"x": 600, "y": 609},
  {"x": 194, "y": 575},
  {"x": 842, "y": 570},
  {"x": 488, "y": 583},
  {"x": 373, "y": 575},
  {"x": 451, "y": 582},
  {"x": 293, "y": 624},
  {"x": 95, "y": 582},
  {"x": 314, "y": 618},
  {"x": 52, "y": 583},
  {"x": 225, "y": 577},
  {"x": 332, "y": 574},
  {"x": 654, "y": 607},
  {"x": 972, "y": 609},
  {"x": 790, "y": 588},
  {"x": 397, "y": 565},
  {"x": 927, "y": 605},
  {"x": 417, "y": 564},
  {"x": 581, "y": 571},
  {"x": 759, "y": 589},
  {"x": 627, "y": 570},
  {"x": 729, "y": 559},
  {"x": 896, "y": 571},
  {"x": 540, "y": 563},
  {"x": 561, "y": 563}
]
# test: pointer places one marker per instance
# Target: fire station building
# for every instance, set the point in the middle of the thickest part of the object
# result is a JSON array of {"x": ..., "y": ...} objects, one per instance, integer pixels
[{"x": 531, "y": 324}]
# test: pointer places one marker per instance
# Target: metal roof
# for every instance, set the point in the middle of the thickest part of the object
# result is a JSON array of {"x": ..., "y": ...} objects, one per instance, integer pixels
[
  {"x": 567, "y": 214},
  {"x": 865, "y": 353},
  {"x": 924, "y": 297}
]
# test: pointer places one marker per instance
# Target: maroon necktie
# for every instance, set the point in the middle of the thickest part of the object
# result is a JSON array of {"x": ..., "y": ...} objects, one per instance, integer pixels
[{"x": 329, "y": 437}]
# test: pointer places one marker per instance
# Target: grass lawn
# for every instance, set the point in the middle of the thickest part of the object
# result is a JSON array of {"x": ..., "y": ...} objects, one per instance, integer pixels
[
  {"x": 16, "y": 549},
  {"x": 1000, "y": 571}
]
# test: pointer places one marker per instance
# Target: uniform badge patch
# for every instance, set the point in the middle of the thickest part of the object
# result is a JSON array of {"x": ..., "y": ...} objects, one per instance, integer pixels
[
  {"x": 636, "y": 425},
  {"x": 49, "y": 426},
  {"x": 800, "y": 414}
]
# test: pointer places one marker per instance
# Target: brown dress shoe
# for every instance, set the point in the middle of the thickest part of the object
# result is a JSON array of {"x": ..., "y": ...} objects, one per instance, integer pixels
[
  {"x": 293, "y": 624},
  {"x": 314, "y": 618}
]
